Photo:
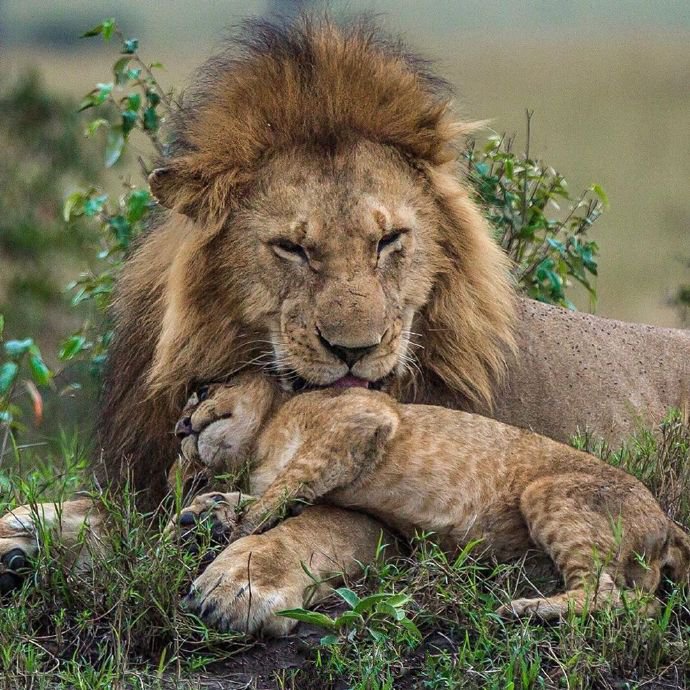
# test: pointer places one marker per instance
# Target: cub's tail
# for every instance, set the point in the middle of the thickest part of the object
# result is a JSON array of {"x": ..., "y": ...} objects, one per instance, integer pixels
[{"x": 677, "y": 558}]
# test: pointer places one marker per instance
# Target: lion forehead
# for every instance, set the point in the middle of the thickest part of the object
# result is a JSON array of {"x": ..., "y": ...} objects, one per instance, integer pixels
[{"x": 365, "y": 188}]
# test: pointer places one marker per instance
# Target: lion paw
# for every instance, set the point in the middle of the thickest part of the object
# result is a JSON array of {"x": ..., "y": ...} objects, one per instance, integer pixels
[
  {"x": 244, "y": 588},
  {"x": 18, "y": 543},
  {"x": 19, "y": 530}
]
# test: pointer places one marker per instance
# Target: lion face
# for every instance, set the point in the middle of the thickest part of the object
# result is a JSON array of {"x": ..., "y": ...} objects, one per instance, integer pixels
[{"x": 340, "y": 256}]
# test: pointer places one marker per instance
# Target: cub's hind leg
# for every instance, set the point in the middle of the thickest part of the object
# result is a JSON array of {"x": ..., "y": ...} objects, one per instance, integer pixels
[
  {"x": 585, "y": 543},
  {"x": 20, "y": 530}
]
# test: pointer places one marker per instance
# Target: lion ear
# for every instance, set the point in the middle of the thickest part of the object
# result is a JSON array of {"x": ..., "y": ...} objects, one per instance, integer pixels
[
  {"x": 203, "y": 197},
  {"x": 160, "y": 183},
  {"x": 177, "y": 190}
]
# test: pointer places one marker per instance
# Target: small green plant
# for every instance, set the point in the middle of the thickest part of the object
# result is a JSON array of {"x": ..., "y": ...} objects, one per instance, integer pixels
[
  {"x": 21, "y": 363},
  {"x": 375, "y": 615},
  {"x": 542, "y": 228}
]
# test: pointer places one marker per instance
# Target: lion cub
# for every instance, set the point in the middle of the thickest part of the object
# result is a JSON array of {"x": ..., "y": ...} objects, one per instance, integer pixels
[{"x": 459, "y": 475}]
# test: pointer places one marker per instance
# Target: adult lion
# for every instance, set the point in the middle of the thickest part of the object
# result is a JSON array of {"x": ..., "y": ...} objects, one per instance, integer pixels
[{"x": 317, "y": 226}]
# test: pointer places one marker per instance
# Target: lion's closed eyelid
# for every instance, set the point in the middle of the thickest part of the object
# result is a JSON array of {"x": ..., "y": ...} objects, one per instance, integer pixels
[
  {"x": 392, "y": 240},
  {"x": 289, "y": 250}
]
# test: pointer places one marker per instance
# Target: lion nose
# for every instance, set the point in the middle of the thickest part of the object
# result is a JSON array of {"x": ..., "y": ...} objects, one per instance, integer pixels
[
  {"x": 349, "y": 355},
  {"x": 183, "y": 428}
]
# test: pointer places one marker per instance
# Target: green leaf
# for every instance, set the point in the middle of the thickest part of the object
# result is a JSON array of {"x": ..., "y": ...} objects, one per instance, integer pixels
[
  {"x": 121, "y": 228},
  {"x": 120, "y": 70},
  {"x": 411, "y": 628},
  {"x": 8, "y": 374},
  {"x": 328, "y": 640},
  {"x": 89, "y": 101},
  {"x": 137, "y": 204},
  {"x": 133, "y": 101},
  {"x": 17, "y": 348},
  {"x": 395, "y": 613},
  {"x": 398, "y": 600},
  {"x": 370, "y": 602},
  {"x": 153, "y": 97},
  {"x": 601, "y": 194},
  {"x": 94, "y": 126},
  {"x": 348, "y": 596},
  {"x": 103, "y": 90},
  {"x": 97, "y": 96},
  {"x": 483, "y": 169},
  {"x": 39, "y": 371},
  {"x": 130, "y": 46},
  {"x": 6, "y": 484},
  {"x": 114, "y": 145},
  {"x": 105, "y": 27},
  {"x": 348, "y": 618},
  {"x": 129, "y": 119},
  {"x": 72, "y": 347},
  {"x": 378, "y": 636},
  {"x": 312, "y": 617},
  {"x": 2, "y": 324},
  {"x": 151, "y": 119},
  {"x": 94, "y": 205}
]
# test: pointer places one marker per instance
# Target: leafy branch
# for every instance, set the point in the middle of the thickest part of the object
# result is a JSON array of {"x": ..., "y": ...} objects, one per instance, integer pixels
[{"x": 538, "y": 223}]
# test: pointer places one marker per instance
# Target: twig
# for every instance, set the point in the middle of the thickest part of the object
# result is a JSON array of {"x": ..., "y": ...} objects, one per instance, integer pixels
[{"x": 529, "y": 114}]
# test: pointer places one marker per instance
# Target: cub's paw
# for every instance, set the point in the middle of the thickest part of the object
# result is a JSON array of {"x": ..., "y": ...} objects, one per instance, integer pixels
[
  {"x": 526, "y": 608},
  {"x": 216, "y": 512},
  {"x": 542, "y": 608},
  {"x": 245, "y": 586}
]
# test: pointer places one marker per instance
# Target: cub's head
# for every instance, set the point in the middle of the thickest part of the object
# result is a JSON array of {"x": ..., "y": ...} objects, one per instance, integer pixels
[
  {"x": 324, "y": 230},
  {"x": 219, "y": 426}
]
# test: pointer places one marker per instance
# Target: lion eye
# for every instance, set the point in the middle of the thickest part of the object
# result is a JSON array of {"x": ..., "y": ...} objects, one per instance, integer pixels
[
  {"x": 392, "y": 240},
  {"x": 289, "y": 251},
  {"x": 202, "y": 393}
]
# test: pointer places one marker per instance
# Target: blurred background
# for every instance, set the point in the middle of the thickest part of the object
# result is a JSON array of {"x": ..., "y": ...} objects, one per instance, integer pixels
[{"x": 609, "y": 84}]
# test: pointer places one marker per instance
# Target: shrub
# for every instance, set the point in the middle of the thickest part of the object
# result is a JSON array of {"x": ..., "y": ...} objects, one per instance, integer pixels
[{"x": 540, "y": 225}]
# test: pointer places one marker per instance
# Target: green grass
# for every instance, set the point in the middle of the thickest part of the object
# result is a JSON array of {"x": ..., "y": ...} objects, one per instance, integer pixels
[{"x": 423, "y": 621}]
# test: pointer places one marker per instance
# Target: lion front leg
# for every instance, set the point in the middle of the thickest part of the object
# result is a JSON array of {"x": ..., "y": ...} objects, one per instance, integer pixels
[
  {"x": 20, "y": 529},
  {"x": 291, "y": 566}
]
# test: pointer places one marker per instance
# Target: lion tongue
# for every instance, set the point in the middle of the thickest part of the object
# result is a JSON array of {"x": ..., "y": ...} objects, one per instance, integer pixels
[{"x": 350, "y": 381}]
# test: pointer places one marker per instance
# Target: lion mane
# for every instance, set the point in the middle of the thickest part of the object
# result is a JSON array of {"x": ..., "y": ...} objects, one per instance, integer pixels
[{"x": 317, "y": 86}]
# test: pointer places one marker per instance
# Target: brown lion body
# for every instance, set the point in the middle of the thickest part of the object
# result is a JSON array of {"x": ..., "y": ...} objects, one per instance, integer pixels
[
  {"x": 292, "y": 162},
  {"x": 464, "y": 477}
]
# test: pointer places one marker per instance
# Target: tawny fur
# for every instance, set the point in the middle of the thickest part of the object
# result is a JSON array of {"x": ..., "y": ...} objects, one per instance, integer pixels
[
  {"x": 332, "y": 138},
  {"x": 461, "y": 476},
  {"x": 339, "y": 134}
]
